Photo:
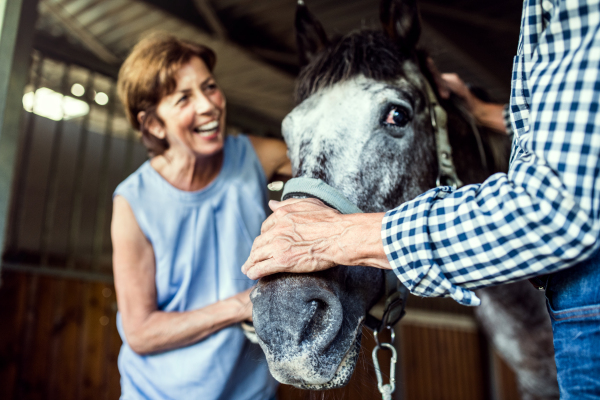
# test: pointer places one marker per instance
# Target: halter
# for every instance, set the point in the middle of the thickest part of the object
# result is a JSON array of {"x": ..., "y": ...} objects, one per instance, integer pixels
[{"x": 439, "y": 121}]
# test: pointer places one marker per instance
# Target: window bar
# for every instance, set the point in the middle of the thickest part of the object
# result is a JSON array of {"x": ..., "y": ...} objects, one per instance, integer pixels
[
  {"x": 77, "y": 194},
  {"x": 52, "y": 186},
  {"x": 17, "y": 210},
  {"x": 103, "y": 205}
]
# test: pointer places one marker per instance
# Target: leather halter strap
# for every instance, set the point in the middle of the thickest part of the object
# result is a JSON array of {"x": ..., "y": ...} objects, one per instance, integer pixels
[{"x": 439, "y": 121}]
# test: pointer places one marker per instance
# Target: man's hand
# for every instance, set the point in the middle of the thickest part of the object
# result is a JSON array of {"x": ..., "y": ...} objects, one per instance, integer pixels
[{"x": 304, "y": 235}]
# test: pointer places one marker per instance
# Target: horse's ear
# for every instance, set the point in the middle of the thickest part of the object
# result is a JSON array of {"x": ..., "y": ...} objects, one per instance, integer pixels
[
  {"x": 400, "y": 21},
  {"x": 310, "y": 35}
]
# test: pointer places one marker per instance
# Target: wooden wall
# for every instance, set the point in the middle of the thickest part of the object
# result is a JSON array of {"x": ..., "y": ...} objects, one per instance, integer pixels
[{"x": 58, "y": 340}]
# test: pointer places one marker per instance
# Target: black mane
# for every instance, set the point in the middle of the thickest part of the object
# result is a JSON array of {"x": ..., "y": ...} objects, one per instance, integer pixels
[{"x": 364, "y": 52}]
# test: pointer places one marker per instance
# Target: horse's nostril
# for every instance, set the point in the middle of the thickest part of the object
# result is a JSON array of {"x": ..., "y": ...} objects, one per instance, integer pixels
[{"x": 321, "y": 324}]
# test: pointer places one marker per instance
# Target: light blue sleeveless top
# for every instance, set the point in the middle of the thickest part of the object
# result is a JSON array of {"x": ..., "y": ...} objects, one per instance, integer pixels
[{"x": 201, "y": 240}]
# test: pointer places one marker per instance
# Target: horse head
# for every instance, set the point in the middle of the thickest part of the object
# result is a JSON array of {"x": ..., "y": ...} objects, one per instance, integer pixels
[{"x": 363, "y": 125}]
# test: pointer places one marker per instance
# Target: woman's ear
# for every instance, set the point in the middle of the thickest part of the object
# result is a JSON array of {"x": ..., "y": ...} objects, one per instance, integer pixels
[{"x": 151, "y": 124}]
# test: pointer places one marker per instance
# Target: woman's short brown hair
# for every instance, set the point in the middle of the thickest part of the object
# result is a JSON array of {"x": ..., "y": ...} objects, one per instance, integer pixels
[{"x": 148, "y": 74}]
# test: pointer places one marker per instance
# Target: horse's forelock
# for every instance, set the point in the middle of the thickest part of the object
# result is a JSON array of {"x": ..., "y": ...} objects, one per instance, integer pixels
[{"x": 366, "y": 52}]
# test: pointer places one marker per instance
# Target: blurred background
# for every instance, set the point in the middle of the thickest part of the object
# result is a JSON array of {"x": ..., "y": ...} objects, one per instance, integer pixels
[{"x": 65, "y": 144}]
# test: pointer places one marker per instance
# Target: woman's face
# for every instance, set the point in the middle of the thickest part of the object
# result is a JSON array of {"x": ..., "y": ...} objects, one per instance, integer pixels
[{"x": 194, "y": 114}]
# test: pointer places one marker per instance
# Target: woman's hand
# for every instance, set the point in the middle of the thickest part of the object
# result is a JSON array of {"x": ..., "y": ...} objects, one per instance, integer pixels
[{"x": 304, "y": 235}]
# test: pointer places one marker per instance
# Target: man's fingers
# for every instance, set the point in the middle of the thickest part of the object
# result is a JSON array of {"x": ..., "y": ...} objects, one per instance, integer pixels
[
  {"x": 264, "y": 268},
  {"x": 274, "y": 204},
  {"x": 268, "y": 224},
  {"x": 281, "y": 208},
  {"x": 261, "y": 251}
]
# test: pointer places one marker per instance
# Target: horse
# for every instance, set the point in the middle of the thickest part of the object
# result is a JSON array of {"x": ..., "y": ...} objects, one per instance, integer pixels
[{"x": 363, "y": 125}]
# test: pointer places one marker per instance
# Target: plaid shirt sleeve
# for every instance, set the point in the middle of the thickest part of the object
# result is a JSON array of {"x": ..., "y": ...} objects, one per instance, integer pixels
[{"x": 544, "y": 215}]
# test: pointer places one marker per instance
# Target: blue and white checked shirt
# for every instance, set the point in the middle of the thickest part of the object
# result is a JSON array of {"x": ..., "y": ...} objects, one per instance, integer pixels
[{"x": 544, "y": 215}]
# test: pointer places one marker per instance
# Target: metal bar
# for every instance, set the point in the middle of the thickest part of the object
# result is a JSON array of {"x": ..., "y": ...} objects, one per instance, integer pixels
[
  {"x": 58, "y": 272},
  {"x": 52, "y": 187},
  {"x": 101, "y": 210},
  {"x": 17, "y": 21},
  {"x": 18, "y": 198},
  {"x": 77, "y": 195}
]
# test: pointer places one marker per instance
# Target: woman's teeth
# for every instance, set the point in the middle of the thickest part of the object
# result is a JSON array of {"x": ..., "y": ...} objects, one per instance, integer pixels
[{"x": 207, "y": 129}]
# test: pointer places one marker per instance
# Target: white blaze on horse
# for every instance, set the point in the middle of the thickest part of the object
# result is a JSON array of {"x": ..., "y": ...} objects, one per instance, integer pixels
[{"x": 364, "y": 124}]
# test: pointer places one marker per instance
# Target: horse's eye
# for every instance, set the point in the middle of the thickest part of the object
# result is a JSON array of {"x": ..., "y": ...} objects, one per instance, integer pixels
[{"x": 396, "y": 116}]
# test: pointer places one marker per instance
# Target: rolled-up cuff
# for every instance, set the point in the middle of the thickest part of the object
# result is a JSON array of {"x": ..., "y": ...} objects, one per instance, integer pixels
[
  {"x": 406, "y": 243},
  {"x": 506, "y": 117}
]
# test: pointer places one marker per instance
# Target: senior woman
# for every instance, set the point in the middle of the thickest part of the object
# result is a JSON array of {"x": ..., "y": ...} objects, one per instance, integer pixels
[{"x": 182, "y": 226}]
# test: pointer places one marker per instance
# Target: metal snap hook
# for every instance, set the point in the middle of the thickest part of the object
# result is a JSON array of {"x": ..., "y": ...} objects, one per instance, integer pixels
[{"x": 387, "y": 389}]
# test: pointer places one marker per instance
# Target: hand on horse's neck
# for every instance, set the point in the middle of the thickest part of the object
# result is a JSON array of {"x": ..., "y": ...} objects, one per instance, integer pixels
[{"x": 186, "y": 171}]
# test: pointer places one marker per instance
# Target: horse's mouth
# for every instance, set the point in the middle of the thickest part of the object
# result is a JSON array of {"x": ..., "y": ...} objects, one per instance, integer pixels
[
  {"x": 344, "y": 371},
  {"x": 300, "y": 372}
]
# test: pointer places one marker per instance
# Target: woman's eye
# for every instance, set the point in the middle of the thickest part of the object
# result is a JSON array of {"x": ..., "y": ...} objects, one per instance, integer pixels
[
  {"x": 396, "y": 117},
  {"x": 182, "y": 99}
]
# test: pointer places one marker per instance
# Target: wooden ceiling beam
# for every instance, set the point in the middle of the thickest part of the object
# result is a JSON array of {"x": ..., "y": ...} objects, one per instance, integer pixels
[
  {"x": 207, "y": 11},
  {"x": 202, "y": 15},
  {"x": 61, "y": 49},
  {"x": 80, "y": 32}
]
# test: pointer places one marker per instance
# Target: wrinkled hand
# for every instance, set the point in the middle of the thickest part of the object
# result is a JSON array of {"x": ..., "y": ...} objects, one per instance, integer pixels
[
  {"x": 304, "y": 235},
  {"x": 298, "y": 237}
]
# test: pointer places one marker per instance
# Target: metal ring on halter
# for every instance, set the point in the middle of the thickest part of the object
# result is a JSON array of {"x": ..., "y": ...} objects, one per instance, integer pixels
[{"x": 376, "y": 335}]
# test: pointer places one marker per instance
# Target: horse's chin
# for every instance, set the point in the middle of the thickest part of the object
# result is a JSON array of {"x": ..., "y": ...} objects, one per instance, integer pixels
[
  {"x": 302, "y": 371},
  {"x": 343, "y": 372}
]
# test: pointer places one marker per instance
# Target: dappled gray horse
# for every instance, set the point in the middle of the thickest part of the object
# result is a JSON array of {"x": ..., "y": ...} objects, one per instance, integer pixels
[{"x": 363, "y": 125}]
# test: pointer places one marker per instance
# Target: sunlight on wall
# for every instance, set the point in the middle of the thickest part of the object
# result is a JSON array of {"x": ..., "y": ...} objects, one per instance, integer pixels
[{"x": 53, "y": 105}]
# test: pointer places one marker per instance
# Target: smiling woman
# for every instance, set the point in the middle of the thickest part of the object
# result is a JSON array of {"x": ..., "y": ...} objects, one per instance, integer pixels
[{"x": 182, "y": 226}]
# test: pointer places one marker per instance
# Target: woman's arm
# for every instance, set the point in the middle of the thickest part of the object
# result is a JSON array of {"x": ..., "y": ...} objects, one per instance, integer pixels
[
  {"x": 272, "y": 154},
  {"x": 147, "y": 329}
]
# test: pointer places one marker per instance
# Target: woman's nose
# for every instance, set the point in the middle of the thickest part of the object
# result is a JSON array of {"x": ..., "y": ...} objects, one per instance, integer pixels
[{"x": 204, "y": 105}]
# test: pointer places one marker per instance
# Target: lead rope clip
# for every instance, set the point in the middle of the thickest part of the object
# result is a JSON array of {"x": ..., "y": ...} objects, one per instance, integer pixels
[{"x": 387, "y": 389}]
